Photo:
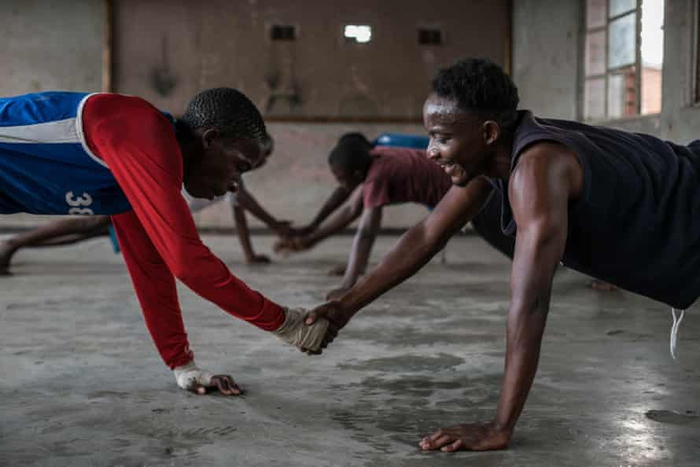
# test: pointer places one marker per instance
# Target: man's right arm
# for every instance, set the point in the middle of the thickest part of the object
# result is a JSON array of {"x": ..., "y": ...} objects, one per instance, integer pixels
[{"x": 415, "y": 248}]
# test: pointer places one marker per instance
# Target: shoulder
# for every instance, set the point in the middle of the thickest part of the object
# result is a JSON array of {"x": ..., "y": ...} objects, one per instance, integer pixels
[{"x": 547, "y": 163}]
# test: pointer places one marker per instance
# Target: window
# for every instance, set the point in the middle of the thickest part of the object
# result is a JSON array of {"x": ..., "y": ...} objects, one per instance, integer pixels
[
  {"x": 430, "y": 37},
  {"x": 623, "y": 58},
  {"x": 283, "y": 33},
  {"x": 360, "y": 34}
]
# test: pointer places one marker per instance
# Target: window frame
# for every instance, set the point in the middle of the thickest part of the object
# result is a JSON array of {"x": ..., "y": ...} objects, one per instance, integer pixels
[{"x": 637, "y": 64}]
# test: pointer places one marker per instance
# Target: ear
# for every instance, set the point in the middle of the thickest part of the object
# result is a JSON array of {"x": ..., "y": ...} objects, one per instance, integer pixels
[
  {"x": 209, "y": 137},
  {"x": 490, "y": 131}
]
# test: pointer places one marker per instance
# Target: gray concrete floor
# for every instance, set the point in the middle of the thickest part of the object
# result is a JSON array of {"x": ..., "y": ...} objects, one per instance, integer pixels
[{"x": 81, "y": 384}]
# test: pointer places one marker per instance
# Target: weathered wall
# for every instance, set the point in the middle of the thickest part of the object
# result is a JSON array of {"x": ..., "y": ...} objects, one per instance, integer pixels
[
  {"x": 167, "y": 51},
  {"x": 547, "y": 52},
  {"x": 546, "y": 55},
  {"x": 50, "y": 44}
]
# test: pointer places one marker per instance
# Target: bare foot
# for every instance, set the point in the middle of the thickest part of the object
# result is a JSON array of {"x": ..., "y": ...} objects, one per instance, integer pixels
[{"x": 602, "y": 285}]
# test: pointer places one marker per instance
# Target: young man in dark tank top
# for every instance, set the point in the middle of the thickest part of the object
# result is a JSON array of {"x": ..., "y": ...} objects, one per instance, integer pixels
[{"x": 618, "y": 206}]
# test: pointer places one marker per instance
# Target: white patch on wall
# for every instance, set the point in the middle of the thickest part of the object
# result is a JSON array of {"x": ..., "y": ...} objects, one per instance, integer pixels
[{"x": 359, "y": 33}]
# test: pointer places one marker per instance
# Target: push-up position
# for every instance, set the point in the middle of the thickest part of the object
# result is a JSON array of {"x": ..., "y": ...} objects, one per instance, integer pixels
[
  {"x": 374, "y": 177},
  {"x": 108, "y": 154},
  {"x": 618, "y": 206},
  {"x": 75, "y": 230}
]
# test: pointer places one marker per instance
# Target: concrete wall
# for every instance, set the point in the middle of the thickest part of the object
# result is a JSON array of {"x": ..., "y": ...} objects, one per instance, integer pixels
[
  {"x": 165, "y": 51},
  {"x": 547, "y": 55},
  {"x": 168, "y": 50},
  {"x": 50, "y": 45}
]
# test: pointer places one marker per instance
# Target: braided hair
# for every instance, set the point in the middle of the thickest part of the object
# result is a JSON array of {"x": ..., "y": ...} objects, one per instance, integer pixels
[{"x": 227, "y": 110}]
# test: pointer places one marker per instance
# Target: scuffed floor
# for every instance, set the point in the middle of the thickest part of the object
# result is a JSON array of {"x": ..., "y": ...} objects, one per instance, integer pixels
[{"x": 82, "y": 385}]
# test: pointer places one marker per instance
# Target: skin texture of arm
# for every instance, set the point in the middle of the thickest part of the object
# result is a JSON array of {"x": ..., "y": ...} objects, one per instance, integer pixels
[
  {"x": 540, "y": 189},
  {"x": 338, "y": 220},
  {"x": 413, "y": 250},
  {"x": 250, "y": 204},
  {"x": 244, "y": 237},
  {"x": 334, "y": 201},
  {"x": 370, "y": 222}
]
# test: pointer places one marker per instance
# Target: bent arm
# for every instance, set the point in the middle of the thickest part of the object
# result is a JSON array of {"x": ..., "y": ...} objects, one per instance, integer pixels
[
  {"x": 370, "y": 222},
  {"x": 420, "y": 243}
]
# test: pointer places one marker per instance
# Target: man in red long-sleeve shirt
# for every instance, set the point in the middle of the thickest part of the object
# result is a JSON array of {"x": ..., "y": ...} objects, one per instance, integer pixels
[{"x": 71, "y": 153}]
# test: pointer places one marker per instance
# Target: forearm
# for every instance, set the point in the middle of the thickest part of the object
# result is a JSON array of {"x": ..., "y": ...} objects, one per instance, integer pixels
[
  {"x": 337, "y": 198},
  {"x": 335, "y": 224},
  {"x": 409, "y": 255},
  {"x": 362, "y": 246},
  {"x": 526, "y": 324},
  {"x": 250, "y": 204},
  {"x": 243, "y": 232}
]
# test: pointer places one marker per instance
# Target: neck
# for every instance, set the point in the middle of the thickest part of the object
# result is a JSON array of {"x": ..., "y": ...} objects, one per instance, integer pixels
[
  {"x": 502, "y": 157},
  {"x": 188, "y": 143}
]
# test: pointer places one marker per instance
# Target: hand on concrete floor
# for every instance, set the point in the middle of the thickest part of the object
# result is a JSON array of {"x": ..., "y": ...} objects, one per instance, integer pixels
[
  {"x": 223, "y": 383},
  {"x": 190, "y": 377},
  {"x": 473, "y": 437}
]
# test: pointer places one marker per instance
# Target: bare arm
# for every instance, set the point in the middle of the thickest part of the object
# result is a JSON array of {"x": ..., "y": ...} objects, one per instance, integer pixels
[
  {"x": 338, "y": 221},
  {"x": 244, "y": 236},
  {"x": 361, "y": 248},
  {"x": 539, "y": 191},
  {"x": 335, "y": 200},
  {"x": 250, "y": 204},
  {"x": 415, "y": 248}
]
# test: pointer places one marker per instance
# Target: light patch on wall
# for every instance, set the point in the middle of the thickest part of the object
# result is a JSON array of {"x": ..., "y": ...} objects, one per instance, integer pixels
[{"x": 358, "y": 33}]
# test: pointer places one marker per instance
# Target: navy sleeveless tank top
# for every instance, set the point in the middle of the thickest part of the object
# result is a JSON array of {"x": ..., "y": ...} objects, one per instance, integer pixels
[{"x": 637, "y": 221}]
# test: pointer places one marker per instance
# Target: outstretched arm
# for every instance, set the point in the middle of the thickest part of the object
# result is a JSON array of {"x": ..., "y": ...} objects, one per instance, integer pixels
[
  {"x": 246, "y": 201},
  {"x": 361, "y": 248},
  {"x": 413, "y": 250},
  {"x": 334, "y": 201},
  {"x": 334, "y": 224},
  {"x": 139, "y": 146},
  {"x": 540, "y": 190}
]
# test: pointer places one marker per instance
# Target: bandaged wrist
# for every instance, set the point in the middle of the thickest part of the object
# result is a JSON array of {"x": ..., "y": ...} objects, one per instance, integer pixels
[
  {"x": 294, "y": 331},
  {"x": 189, "y": 374}
]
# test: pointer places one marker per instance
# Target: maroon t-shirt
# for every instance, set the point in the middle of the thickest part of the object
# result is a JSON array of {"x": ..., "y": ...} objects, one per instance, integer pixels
[{"x": 403, "y": 175}]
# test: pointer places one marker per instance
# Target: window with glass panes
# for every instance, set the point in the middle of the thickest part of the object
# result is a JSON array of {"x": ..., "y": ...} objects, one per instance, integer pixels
[{"x": 623, "y": 58}]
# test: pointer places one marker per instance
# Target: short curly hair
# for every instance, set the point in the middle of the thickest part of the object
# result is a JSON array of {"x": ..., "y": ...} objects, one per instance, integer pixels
[
  {"x": 482, "y": 86},
  {"x": 227, "y": 110},
  {"x": 351, "y": 155}
]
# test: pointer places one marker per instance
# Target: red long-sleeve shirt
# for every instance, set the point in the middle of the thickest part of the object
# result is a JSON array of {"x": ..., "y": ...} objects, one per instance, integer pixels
[{"x": 158, "y": 237}]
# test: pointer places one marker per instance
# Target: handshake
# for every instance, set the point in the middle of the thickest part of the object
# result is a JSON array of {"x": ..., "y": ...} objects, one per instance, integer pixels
[{"x": 312, "y": 331}]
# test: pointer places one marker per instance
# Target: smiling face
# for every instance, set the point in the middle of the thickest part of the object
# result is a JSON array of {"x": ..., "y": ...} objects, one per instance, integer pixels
[
  {"x": 222, "y": 162},
  {"x": 461, "y": 142}
]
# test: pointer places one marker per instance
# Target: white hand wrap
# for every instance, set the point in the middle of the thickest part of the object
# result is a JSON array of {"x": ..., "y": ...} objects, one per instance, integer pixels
[
  {"x": 294, "y": 331},
  {"x": 187, "y": 375}
]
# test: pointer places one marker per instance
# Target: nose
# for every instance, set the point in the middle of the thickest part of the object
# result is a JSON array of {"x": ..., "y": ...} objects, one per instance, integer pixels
[{"x": 432, "y": 151}]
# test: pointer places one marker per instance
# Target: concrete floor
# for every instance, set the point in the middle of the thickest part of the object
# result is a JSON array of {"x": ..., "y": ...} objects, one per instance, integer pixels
[{"x": 81, "y": 384}]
